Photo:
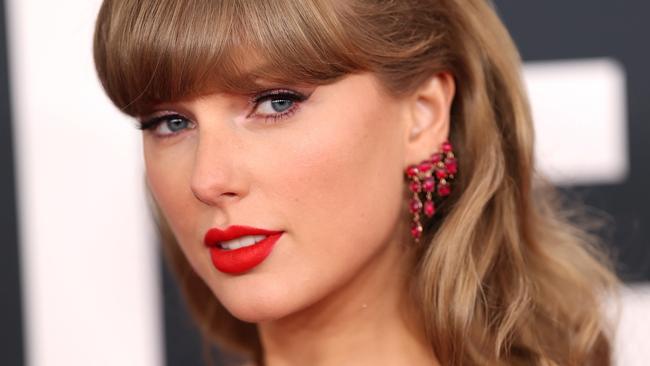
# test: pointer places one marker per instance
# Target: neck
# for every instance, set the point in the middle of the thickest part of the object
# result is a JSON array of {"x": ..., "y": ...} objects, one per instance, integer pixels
[{"x": 369, "y": 321}]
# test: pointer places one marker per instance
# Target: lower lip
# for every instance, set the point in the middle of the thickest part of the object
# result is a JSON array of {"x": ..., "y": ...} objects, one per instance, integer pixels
[{"x": 243, "y": 259}]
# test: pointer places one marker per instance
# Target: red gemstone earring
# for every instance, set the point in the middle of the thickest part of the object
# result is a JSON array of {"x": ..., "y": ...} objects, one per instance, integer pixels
[{"x": 431, "y": 176}]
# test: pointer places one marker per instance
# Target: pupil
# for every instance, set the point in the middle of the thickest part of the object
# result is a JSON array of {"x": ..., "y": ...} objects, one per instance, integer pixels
[{"x": 281, "y": 105}]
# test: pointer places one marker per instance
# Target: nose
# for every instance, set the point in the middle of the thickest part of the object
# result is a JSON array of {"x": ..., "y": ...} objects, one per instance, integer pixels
[{"x": 215, "y": 177}]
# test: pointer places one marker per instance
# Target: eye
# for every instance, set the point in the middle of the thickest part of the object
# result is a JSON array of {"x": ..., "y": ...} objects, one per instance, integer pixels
[
  {"x": 276, "y": 104},
  {"x": 166, "y": 125}
]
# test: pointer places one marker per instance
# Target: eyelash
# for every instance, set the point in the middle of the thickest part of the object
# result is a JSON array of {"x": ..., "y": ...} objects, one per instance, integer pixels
[
  {"x": 277, "y": 94},
  {"x": 255, "y": 100}
]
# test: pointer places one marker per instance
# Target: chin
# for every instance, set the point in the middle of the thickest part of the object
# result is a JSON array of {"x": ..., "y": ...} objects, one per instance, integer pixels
[
  {"x": 249, "y": 304},
  {"x": 255, "y": 314}
]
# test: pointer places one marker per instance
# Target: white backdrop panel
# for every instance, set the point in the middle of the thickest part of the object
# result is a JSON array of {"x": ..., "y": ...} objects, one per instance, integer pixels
[
  {"x": 89, "y": 265},
  {"x": 580, "y": 113}
]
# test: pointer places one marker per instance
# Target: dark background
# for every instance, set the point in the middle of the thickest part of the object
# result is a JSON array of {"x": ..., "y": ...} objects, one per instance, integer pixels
[
  {"x": 555, "y": 30},
  {"x": 11, "y": 331},
  {"x": 548, "y": 30}
]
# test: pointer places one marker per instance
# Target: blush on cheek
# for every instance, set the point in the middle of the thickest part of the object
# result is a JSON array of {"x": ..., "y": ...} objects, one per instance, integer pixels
[{"x": 344, "y": 167}]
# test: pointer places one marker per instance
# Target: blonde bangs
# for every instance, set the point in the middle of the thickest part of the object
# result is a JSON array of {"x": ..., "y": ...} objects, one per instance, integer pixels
[{"x": 153, "y": 51}]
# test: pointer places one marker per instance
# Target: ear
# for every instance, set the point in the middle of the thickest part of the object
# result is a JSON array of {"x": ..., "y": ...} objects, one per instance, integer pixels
[{"x": 429, "y": 110}]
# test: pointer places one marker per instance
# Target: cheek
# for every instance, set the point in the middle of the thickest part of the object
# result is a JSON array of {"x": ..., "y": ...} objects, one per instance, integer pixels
[
  {"x": 347, "y": 183},
  {"x": 168, "y": 175},
  {"x": 340, "y": 188},
  {"x": 352, "y": 168}
]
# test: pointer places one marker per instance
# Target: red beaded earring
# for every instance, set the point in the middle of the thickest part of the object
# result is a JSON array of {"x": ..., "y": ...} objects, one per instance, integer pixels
[{"x": 431, "y": 176}]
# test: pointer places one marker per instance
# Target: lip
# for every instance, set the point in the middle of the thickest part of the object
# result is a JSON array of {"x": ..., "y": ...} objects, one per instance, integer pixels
[{"x": 242, "y": 259}]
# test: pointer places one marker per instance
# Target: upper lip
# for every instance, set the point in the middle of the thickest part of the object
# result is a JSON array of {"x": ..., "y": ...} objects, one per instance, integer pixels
[{"x": 215, "y": 236}]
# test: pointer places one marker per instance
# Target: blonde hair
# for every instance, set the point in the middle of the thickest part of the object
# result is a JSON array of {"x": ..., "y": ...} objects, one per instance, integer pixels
[{"x": 503, "y": 278}]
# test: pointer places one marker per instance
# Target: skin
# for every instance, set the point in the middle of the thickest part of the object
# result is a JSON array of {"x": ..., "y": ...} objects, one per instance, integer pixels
[{"x": 330, "y": 175}]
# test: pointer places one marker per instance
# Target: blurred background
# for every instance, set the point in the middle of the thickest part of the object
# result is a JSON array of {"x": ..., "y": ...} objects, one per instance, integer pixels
[{"x": 81, "y": 276}]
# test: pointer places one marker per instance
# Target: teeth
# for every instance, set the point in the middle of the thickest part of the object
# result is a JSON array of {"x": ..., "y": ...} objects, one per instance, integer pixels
[{"x": 244, "y": 241}]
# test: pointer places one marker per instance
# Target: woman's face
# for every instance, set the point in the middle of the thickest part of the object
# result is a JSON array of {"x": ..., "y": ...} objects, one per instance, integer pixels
[{"x": 326, "y": 170}]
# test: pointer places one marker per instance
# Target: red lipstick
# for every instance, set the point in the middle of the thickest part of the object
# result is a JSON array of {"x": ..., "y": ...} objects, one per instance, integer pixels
[{"x": 242, "y": 259}]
